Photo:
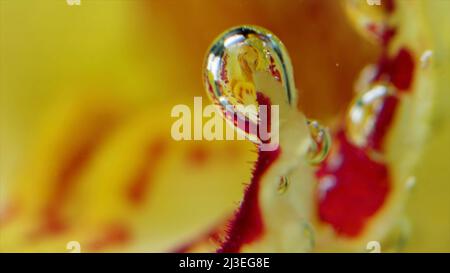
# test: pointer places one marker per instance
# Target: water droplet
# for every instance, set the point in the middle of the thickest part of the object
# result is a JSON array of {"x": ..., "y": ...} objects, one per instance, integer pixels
[
  {"x": 410, "y": 183},
  {"x": 308, "y": 232},
  {"x": 326, "y": 184},
  {"x": 364, "y": 111},
  {"x": 425, "y": 59},
  {"x": 243, "y": 62},
  {"x": 405, "y": 233},
  {"x": 320, "y": 142},
  {"x": 369, "y": 20},
  {"x": 230, "y": 66},
  {"x": 283, "y": 185},
  {"x": 365, "y": 78},
  {"x": 399, "y": 235},
  {"x": 373, "y": 247}
]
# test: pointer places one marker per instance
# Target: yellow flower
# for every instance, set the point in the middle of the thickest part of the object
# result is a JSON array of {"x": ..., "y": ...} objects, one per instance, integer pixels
[{"x": 86, "y": 95}]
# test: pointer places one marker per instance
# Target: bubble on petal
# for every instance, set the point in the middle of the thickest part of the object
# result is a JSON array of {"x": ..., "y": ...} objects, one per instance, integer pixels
[
  {"x": 231, "y": 63},
  {"x": 283, "y": 185},
  {"x": 320, "y": 142},
  {"x": 363, "y": 113}
]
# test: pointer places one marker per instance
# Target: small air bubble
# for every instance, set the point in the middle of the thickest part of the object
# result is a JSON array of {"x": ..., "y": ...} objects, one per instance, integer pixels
[
  {"x": 425, "y": 59},
  {"x": 233, "y": 59},
  {"x": 410, "y": 183},
  {"x": 283, "y": 185},
  {"x": 320, "y": 142}
]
